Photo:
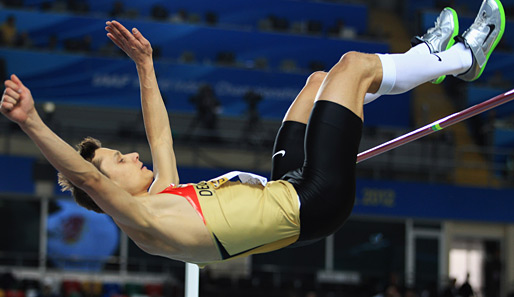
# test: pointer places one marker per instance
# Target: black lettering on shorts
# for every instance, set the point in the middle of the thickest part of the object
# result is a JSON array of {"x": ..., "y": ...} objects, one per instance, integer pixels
[
  {"x": 205, "y": 193},
  {"x": 203, "y": 189}
]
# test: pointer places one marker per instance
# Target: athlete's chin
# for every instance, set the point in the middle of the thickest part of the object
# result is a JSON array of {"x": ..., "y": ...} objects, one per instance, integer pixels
[
  {"x": 145, "y": 170},
  {"x": 149, "y": 175}
]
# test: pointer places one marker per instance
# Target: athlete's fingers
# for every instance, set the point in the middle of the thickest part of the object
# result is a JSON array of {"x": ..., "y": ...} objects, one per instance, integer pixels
[
  {"x": 6, "y": 106},
  {"x": 117, "y": 34},
  {"x": 111, "y": 37},
  {"x": 123, "y": 31},
  {"x": 9, "y": 99},
  {"x": 12, "y": 93},
  {"x": 10, "y": 84},
  {"x": 16, "y": 80},
  {"x": 142, "y": 40},
  {"x": 139, "y": 36},
  {"x": 108, "y": 27}
]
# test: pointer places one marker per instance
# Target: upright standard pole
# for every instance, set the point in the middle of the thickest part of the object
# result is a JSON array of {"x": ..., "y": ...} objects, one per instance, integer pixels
[
  {"x": 192, "y": 280},
  {"x": 437, "y": 125}
]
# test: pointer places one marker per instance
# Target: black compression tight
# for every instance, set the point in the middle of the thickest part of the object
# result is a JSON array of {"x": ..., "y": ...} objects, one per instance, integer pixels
[{"x": 319, "y": 161}]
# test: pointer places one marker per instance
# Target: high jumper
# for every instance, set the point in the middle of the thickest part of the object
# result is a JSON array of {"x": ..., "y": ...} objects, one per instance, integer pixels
[{"x": 312, "y": 188}]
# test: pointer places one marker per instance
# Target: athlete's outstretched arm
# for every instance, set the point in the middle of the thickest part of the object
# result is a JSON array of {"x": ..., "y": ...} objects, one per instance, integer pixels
[
  {"x": 18, "y": 106},
  {"x": 155, "y": 116}
]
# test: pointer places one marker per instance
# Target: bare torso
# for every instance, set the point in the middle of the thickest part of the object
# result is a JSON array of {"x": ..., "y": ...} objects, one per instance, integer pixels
[{"x": 174, "y": 230}]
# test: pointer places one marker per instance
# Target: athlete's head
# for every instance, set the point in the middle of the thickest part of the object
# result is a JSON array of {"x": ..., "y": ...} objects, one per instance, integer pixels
[{"x": 125, "y": 170}]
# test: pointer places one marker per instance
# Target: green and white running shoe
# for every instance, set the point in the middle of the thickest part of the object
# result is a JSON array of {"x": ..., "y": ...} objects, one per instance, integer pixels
[
  {"x": 483, "y": 36},
  {"x": 442, "y": 36}
]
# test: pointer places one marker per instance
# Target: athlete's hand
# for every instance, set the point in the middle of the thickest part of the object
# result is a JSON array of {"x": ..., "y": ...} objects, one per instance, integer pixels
[
  {"x": 132, "y": 43},
  {"x": 17, "y": 103}
]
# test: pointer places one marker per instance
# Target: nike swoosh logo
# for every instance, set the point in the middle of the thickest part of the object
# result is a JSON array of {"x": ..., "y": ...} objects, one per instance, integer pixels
[
  {"x": 281, "y": 152},
  {"x": 440, "y": 60},
  {"x": 491, "y": 29}
]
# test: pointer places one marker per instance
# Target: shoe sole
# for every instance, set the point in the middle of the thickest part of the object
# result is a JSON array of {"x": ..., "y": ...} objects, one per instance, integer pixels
[
  {"x": 441, "y": 78},
  {"x": 498, "y": 38}
]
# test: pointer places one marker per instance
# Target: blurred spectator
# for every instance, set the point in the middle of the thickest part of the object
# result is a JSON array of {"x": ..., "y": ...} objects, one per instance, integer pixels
[
  {"x": 211, "y": 18},
  {"x": 342, "y": 31},
  {"x": 272, "y": 22},
  {"x": 82, "y": 45},
  {"x": 337, "y": 29},
  {"x": 279, "y": 23},
  {"x": 265, "y": 24},
  {"x": 466, "y": 290},
  {"x": 314, "y": 27},
  {"x": 179, "y": 17},
  {"x": 78, "y": 6},
  {"x": 48, "y": 288},
  {"x": 298, "y": 27},
  {"x": 252, "y": 100},
  {"x": 23, "y": 40},
  {"x": 451, "y": 289},
  {"x": 46, "y": 5},
  {"x": 159, "y": 12},
  {"x": 187, "y": 57},
  {"x": 109, "y": 49},
  {"x": 118, "y": 9},
  {"x": 71, "y": 45},
  {"x": 261, "y": 63},
  {"x": 316, "y": 66},
  {"x": 194, "y": 18},
  {"x": 87, "y": 42},
  {"x": 253, "y": 118},
  {"x": 207, "y": 109},
  {"x": 226, "y": 58},
  {"x": 8, "y": 31},
  {"x": 59, "y": 6},
  {"x": 13, "y": 3},
  {"x": 288, "y": 65},
  {"x": 53, "y": 42}
]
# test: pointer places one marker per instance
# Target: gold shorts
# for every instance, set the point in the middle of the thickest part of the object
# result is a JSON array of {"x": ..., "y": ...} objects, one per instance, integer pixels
[{"x": 248, "y": 219}]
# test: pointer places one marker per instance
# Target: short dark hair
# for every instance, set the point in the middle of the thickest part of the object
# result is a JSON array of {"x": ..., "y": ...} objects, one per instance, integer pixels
[{"x": 86, "y": 148}]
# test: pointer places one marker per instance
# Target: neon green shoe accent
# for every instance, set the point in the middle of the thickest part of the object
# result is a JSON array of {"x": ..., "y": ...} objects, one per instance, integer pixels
[
  {"x": 441, "y": 78},
  {"x": 498, "y": 38}
]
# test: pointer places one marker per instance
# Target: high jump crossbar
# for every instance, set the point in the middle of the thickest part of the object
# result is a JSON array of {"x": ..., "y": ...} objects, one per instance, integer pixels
[{"x": 437, "y": 125}]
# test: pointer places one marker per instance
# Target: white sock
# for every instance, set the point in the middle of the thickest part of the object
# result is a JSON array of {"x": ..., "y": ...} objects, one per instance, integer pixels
[
  {"x": 413, "y": 70},
  {"x": 420, "y": 49},
  {"x": 403, "y": 72},
  {"x": 370, "y": 97},
  {"x": 388, "y": 78}
]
